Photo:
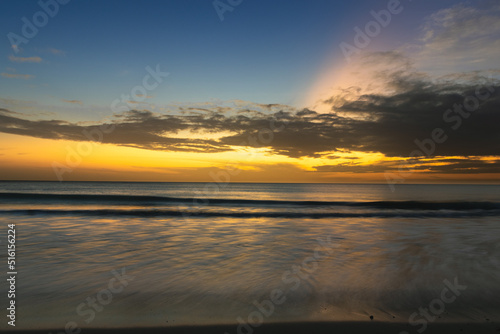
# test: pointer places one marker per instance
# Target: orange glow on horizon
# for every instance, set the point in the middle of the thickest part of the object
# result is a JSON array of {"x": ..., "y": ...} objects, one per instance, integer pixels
[{"x": 26, "y": 158}]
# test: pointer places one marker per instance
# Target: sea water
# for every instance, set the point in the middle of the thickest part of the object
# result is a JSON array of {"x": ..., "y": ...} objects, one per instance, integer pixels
[{"x": 97, "y": 254}]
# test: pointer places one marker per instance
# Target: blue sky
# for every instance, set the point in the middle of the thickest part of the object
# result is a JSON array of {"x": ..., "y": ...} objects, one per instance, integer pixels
[
  {"x": 260, "y": 52},
  {"x": 263, "y": 51}
]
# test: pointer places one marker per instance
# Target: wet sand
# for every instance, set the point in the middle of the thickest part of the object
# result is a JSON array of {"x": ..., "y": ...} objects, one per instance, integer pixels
[{"x": 299, "y": 328}]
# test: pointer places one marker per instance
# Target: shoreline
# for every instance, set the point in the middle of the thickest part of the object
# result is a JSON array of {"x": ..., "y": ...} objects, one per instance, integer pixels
[{"x": 353, "y": 327}]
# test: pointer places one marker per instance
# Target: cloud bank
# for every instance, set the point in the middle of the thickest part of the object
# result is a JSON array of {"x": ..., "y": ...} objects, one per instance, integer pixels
[{"x": 389, "y": 123}]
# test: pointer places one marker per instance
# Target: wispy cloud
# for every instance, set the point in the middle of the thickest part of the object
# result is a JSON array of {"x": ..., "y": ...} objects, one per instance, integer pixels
[
  {"x": 145, "y": 96},
  {"x": 17, "y": 76},
  {"x": 460, "y": 37},
  {"x": 56, "y": 51},
  {"x": 73, "y": 101},
  {"x": 35, "y": 59}
]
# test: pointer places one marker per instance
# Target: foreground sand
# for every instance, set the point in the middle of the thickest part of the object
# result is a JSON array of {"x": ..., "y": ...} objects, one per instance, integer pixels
[{"x": 299, "y": 328}]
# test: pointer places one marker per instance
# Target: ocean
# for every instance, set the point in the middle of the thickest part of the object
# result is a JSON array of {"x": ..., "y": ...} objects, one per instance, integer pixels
[{"x": 108, "y": 254}]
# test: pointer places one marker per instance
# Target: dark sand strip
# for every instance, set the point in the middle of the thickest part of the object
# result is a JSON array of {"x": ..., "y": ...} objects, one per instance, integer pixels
[{"x": 373, "y": 327}]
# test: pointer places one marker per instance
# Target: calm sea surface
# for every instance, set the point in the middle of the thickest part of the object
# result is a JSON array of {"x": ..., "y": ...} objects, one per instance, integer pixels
[{"x": 161, "y": 254}]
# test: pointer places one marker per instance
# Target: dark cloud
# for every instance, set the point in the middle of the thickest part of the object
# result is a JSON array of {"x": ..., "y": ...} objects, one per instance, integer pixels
[
  {"x": 458, "y": 166},
  {"x": 418, "y": 107},
  {"x": 352, "y": 168},
  {"x": 386, "y": 123},
  {"x": 437, "y": 165}
]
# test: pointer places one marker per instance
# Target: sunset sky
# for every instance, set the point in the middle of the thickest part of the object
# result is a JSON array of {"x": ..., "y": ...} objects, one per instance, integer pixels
[{"x": 250, "y": 91}]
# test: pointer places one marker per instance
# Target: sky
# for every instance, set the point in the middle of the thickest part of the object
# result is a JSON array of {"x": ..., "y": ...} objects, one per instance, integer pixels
[{"x": 250, "y": 91}]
